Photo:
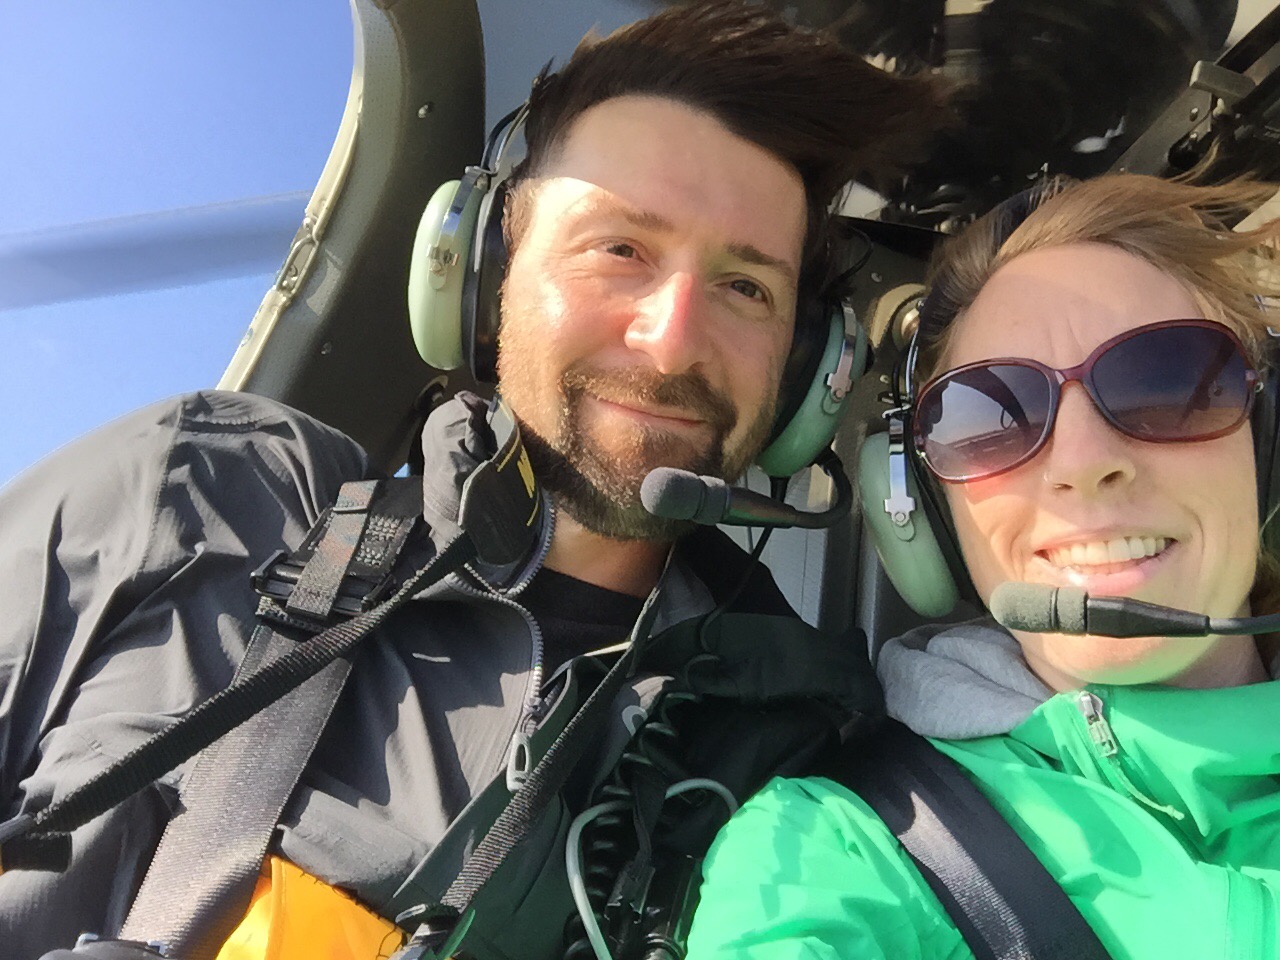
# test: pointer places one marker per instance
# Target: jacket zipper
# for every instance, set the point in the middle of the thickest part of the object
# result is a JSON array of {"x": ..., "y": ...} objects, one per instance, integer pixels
[
  {"x": 534, "y": 706},
  {"x": 518, "y": 754},
  {"x": 1107, "y": 748}
]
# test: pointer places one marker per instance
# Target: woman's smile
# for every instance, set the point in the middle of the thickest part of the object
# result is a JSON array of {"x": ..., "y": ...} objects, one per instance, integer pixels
[{"x": 1119, "y": 566}]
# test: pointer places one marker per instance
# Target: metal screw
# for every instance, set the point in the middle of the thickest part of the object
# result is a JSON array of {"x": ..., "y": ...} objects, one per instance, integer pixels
[
  {"x": 425, "y": 109},
  {"x": 326, "y": 348},
  {"x": 875, "y": 277},
  {"x": 1195, "y": 113}
]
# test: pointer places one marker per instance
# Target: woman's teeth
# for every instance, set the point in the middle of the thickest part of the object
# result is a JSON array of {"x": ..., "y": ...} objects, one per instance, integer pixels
[{"x": 1102, "y": 552}]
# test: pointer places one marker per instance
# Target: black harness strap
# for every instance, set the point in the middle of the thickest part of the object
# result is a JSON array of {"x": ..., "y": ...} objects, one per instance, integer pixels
[
  {"x": 317, "y": 588},
  {"x": 211, "y": 852},
  {"x": 1000, "y": 897},
  {"x": 204, "y": 871}
]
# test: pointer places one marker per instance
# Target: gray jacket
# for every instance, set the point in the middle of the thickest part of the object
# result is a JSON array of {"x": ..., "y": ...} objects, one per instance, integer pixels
[{"x": 125, "y": 601}]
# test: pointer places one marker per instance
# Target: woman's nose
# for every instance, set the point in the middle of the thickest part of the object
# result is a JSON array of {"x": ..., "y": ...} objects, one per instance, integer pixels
[{"x": 1085, "y": 453}]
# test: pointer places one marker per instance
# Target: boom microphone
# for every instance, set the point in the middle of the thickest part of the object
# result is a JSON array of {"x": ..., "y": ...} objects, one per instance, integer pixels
[
  {"x": 681, "y": 495},
  {"x": 1039, "y": 608}
]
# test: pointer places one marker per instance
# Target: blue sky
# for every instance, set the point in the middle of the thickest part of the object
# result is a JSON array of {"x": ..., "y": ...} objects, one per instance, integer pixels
[
  {"x": 183, "y": 112},
  {"x": 115, "y": 110}
]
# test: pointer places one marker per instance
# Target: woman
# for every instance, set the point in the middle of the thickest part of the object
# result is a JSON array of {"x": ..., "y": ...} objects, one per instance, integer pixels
[{"x": 1144, "y": 774}]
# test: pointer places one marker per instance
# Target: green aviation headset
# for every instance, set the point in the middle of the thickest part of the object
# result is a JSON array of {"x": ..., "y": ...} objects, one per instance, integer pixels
[
  {"x": 455, "y": 277},
  {"x": 901, "y": 508},
  {"x": 902, "y": 504}
]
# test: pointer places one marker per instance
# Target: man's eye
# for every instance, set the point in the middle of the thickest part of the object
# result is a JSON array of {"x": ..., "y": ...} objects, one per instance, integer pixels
[
  {"x": 619, "y": 249},
  {"x": 749, "y": 289}
]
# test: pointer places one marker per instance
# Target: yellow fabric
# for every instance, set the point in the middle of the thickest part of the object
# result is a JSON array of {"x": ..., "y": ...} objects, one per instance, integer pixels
[{"x": 294, "y": 916}]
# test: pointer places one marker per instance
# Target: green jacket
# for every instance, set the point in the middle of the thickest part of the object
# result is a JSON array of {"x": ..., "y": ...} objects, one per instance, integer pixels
[{"x": 1160, "y": 818}]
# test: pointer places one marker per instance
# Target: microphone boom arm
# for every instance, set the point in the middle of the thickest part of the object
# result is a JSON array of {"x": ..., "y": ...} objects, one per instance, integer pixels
[
  {"x": 1040, "y": 608},
  {"x": 682, "y": 495}
]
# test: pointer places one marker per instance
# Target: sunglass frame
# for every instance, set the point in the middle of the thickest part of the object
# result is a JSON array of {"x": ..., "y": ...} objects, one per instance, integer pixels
[{"x": 1082, "y": 373}]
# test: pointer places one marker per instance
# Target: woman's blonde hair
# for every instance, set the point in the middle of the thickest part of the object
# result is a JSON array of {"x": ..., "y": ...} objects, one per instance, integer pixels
[{"x": 1181, "y": 228}]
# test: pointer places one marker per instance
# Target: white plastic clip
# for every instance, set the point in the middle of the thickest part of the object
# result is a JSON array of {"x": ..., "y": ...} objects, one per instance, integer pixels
[
  {"x": 519, "y": 762},
  {"x": 899, "y": 504}
]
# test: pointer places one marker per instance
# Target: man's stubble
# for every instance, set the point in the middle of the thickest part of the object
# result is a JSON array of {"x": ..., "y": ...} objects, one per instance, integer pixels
[{"x": 600, "y": 488}]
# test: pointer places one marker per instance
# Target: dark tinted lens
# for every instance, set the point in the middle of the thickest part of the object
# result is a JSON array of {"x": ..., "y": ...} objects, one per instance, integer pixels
[
  {"x": 1174, "y": 383},
  {"x": 983, "y": 420}
]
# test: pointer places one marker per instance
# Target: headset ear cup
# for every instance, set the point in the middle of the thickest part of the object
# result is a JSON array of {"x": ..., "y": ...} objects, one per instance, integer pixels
[
  {"x": 910, "y": 554},
  {"x": 813, "y": 425},
  {"x": 482, "y": 288},
  {"x": 436, "y": 268}
]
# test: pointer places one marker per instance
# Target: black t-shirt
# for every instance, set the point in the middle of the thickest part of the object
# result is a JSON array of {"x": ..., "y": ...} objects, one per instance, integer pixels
[{"x": 576, "y": 617}]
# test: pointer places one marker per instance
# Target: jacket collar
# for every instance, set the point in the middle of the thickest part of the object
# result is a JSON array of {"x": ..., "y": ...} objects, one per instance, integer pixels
[{"x": 1209, "y": 759}]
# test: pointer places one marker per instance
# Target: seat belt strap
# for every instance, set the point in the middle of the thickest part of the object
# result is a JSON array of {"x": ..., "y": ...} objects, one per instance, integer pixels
[
  {"x": 202, "y": 876},
  {"x": 1003, "y": 901},
  {"x": 203, "y": 873},
  {"x": 317, "y": 588}
]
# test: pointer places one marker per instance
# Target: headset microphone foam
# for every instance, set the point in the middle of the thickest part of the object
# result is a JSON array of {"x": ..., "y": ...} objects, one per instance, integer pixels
[
  {"x": 1038, "y": 608},
  {"x": 681, "y": 495}
]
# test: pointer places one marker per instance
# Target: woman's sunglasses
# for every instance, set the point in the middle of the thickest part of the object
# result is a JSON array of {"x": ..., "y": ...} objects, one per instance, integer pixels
[{"x": 1176, "y": 381}]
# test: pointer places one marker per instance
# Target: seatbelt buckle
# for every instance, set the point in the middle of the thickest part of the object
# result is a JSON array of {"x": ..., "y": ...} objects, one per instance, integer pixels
[
  {"x": 91, "y": 947},
  {"x": 277, "y": 577}
]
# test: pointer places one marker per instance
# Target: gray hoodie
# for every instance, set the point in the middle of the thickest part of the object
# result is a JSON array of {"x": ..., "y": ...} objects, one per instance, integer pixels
[
  {"x": 966, "y": 680},
  {"x": 958, "y": 681}
]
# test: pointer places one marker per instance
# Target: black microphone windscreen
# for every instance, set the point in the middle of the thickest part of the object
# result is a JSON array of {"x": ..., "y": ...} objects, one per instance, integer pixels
[
  {"x": 677, "y": 495},
  {"x": 1038, "y": 608}
]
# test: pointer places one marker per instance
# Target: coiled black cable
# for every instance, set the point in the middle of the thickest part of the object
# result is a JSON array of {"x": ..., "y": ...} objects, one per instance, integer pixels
[{"x": 611, "y": 839}]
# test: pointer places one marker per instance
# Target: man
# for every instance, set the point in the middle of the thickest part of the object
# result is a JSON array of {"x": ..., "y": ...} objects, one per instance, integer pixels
[{"x": 673, "y": 206}]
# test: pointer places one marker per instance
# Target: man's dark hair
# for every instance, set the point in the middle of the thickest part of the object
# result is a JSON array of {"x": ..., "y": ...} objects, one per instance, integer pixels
[{"x": 796, "y": 93}]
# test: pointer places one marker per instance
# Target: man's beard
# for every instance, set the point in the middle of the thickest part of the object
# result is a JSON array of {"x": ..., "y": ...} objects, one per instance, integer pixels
[{"x": 600, "y": 489}]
